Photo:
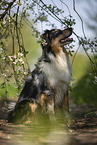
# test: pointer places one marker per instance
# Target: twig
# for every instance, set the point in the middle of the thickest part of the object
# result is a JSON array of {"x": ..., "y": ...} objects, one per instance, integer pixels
[
  {"x": 7, "y": 9},
  {"x": 80, "y": 18},
  {"x": 24, "y": 50},
  {"x": 2, "y": 2},
  {"x": 12, "y": 33},
  {"x": 47, "y": 11},
  {"x": 66, "y": 6},
  {"x": 52, "y": 12},
  {"x": 75, "y": 54},
  {"x": 17, "y": 29},
  {"x": 88, "y": 56}
]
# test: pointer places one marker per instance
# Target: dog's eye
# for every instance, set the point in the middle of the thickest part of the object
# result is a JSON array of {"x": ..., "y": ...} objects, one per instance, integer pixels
[{"x": 58, "y": 32}]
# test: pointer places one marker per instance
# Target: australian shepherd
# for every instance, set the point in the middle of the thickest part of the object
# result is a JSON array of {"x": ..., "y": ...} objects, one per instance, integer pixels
[{"x": 48, "y": 83}]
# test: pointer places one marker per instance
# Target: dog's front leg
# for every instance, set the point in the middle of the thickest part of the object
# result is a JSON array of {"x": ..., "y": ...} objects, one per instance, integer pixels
[
  {"x": 50, "y": 107},
  {"x": 33, "y": 107},
  {"x": 47, "y": 101},
  {"x": 43, "y": 102},
  {"x": 66, "y": 102}
]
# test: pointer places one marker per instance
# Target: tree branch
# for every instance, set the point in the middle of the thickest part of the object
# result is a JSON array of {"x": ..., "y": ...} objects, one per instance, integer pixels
[
  {"x": 7, "y": 9},
  {"x": 2, "y": 2},
  {"x": 80, "y": 18}
]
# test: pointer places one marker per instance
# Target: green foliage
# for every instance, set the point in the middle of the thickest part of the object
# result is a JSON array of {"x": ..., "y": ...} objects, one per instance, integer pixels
[{"x": 84, "y": 90}]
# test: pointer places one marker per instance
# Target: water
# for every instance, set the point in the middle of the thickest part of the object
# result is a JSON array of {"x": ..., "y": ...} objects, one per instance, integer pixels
[
  {"x": 58, "y": 130},
  {"x": 38, "y": 130}
]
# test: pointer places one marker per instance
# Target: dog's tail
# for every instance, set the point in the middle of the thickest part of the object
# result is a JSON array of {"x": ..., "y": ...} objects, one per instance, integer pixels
[{"x": 11, "y": 106}]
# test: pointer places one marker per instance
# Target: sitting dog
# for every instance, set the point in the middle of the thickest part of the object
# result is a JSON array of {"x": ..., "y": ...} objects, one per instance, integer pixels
[{"x": 48, "y": 83}]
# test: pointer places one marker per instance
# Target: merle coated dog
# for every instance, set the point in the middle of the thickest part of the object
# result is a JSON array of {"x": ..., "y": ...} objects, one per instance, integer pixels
[{"x": 48, "y": 83}]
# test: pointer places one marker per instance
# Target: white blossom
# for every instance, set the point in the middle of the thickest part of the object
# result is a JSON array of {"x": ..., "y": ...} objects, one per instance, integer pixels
[
  {"x": 3, "y": 58},
  {"x": 10, "y": 57},
  {"x": 3, "y": 74},
  {"x": 14, "y": 56},
  {"x": 95, "y": 79},
  {"x": 22, "y": 62},
  {"x": 14, "y": 62},
  {"x": 21, "y": 54}
]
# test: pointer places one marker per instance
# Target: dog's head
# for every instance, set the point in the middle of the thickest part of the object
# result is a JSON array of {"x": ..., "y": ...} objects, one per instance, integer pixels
[{"x": 55, "y": 39}]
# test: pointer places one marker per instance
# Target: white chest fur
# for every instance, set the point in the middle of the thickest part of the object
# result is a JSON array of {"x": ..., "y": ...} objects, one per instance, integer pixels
[{"x": 58, "y": 72}]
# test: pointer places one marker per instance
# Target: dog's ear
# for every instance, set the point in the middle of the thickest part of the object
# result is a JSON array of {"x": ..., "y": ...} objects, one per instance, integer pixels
[
  {"x": 45, "y": 38},
  {"x": 46, "y": 34}
]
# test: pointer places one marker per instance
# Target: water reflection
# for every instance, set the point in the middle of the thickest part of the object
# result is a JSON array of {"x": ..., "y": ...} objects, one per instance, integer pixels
[
  {"x": 39, "y": 131},
  {"x": 43, "y": 133},
  {"x": 77, "y": 129}
]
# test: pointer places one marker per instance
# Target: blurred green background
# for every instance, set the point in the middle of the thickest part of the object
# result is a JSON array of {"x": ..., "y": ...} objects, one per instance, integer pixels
[{"x": 84, "y": 91}]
